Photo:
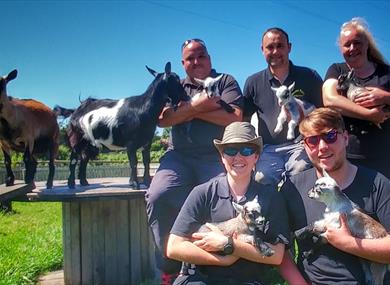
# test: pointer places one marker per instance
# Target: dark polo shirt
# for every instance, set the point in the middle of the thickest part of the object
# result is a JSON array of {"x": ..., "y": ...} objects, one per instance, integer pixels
[
  {"x": 374, "y": 141},
  {"x": 370, "y": 190},
  {"x": 260, "y": 98},
  {"x": 201, "y": 132},
  {"x": 212, "y": 202}
]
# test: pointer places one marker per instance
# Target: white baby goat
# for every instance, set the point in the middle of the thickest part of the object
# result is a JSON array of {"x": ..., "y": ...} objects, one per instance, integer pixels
[
  {"x": 360, "y": 224},
  {"x": 290, "y": 106}
]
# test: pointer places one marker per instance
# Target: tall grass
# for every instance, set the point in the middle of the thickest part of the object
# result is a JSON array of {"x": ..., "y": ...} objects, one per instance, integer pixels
[{"x": 30, "y": 242}]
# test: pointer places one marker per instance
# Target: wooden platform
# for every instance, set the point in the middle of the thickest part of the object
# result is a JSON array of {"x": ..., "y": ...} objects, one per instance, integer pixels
[
  {"x": 99, "y": 188},
  {"x": 106, "y": 238},
  {"x": 11, "y": 192}
]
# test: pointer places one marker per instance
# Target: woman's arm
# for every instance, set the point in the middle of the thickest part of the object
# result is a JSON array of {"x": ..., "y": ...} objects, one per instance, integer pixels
[
  {"x": 348, "y": 108},
  {"x": 182, "y": 249},
  {"x": 289, "y": 271}
]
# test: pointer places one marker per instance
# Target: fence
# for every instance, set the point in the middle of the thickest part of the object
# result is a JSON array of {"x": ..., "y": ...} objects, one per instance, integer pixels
[{"x": 95, "y": 169}]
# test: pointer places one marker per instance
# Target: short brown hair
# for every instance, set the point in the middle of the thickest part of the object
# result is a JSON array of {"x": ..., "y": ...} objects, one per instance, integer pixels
[{"x": 322, "y": 119}]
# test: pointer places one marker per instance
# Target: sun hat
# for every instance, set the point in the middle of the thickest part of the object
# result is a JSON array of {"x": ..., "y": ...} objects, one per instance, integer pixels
[{"x": 239, "y": 133}]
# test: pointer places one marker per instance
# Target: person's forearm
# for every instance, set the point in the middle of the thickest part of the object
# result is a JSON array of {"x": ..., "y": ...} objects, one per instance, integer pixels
[
  {"x": 184, "y": 250},
  {"x": 221, "y": 117},
  {"x": 249, "y": 252},
  {"x": 377, "y": 250},
  {"x": 347, "y": 108},
  {"x": 170, "y": 116},
  {"x": 289, "y": 271}
]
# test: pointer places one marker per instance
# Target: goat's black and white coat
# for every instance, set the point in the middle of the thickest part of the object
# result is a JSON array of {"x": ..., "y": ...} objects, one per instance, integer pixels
[{"x": 128, "y": 123}]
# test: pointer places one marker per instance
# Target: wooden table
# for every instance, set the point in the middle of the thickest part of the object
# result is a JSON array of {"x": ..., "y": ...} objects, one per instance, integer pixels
[{"x": 105, "y": 233}]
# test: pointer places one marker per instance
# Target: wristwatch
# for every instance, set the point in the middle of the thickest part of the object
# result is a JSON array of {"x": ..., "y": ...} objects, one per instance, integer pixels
[{"x": 228, "y": 248}]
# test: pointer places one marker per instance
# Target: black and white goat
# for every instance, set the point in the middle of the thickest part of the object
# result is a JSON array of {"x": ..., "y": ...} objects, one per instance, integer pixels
[
  {"x": 249, "y": 226},
  {"x": 27, "y": 126},
  {"x": 360, "y": 224},
  {"x": 128, "y": 123},
  {"x": 292, "y": 109}
]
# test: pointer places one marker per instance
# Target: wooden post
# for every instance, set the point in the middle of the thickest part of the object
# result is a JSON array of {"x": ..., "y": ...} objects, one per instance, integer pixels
[{"x": 106, "y": 237}]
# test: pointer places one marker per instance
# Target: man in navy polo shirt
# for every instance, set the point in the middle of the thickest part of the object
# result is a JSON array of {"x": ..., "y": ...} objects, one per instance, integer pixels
[
  {"x": 279, "y": 155},
  {"x": 191, "y": 158}
]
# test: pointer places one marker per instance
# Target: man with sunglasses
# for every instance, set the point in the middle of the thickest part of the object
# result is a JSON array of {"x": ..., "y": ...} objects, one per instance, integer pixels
[
  {"x": 222, "y": 260},
  {"x": 280, "y": 156},
  {"x": 325, "y": 141},
  {"x": 189, "y": 162}
]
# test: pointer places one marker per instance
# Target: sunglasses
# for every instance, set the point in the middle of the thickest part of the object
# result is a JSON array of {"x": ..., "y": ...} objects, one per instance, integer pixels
[
  {"x": 244, "y": 151},
  {"x": 187, "y": 42},
  {"x": 329, "y": 137}
]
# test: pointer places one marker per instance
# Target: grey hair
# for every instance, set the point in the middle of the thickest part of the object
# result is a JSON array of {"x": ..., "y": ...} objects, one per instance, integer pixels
[{"x": 361, "y": 25}]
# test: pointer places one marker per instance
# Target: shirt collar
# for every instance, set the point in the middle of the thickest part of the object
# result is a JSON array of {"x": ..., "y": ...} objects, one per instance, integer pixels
[
  {"x": 223, "y": 190},
  {"x": 187, "y": 80},
  {"x": 270, "y": 77}
]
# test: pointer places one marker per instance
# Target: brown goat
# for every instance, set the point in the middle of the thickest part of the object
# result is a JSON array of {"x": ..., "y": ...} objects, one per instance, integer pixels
[{"x": 26, "y": 126}]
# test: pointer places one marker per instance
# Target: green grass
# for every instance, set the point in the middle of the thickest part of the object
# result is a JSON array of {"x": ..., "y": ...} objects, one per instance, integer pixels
[{"x": 30, "y": 242}]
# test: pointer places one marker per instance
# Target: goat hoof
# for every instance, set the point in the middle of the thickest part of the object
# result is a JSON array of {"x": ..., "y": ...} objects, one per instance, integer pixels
[
  {"x": 49, "y": 185},
  {"x": 84, "y": 183},
  {"x": 10, "y": 183},
  {"x": 71, "y": 185},
  {"x": 134, "y": 185}
]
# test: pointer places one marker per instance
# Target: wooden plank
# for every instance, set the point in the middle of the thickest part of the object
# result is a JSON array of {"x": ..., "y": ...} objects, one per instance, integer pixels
[
  {"x": 75, "y": 243},
  {"x": 98, "y": 242},
  {"x": 123, "y": 242},
  {"x": 144, "y": 233},
  {"x": 135, "y": 243},
  {"x": 86, "y": 242},
  {"x": 110, "y": 232},
  {"x": 11, "y": 192},
  {"x": 99, "y": 189},
  {"x": 66, "y": 241}
]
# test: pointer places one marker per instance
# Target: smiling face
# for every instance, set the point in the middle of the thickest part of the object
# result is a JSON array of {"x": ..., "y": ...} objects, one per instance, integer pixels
[
  {"x": 354, "y": 47},
  {"x": 239, "y": 167},
  {"x": 276, "y": 49},
  {"x": 328, "y": 156},
  {"x": 196, "y": 60}
]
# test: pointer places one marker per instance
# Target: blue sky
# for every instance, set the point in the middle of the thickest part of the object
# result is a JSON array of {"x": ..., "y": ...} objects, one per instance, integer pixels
[{"x": 67, "y": 49}]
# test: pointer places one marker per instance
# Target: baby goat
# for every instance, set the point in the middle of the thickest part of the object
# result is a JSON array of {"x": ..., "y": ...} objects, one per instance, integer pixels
[
  {"x": 249, "y": 226},
  {"x": 348, "y": 86},
  {"x": 210, "y": 88},
  {"x": 360, "y": 224},
  {"x": 290, "y": 106}
]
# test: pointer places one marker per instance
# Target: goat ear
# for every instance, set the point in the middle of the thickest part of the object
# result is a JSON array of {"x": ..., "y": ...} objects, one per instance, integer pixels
[
  {"x": 168, "y": 68},
  {"x": 12, "y": 75},
  {"x": 238, "y": 207},
  {"x": 154, "y": 73},
  {"x": 218, "y": 78},
  {"x": 324, "y": 173},
  {"x": 291, "y": 87},
  {"x": 256, "y": 199},
  {"x": 200, "y": 81},
  {"x": 274, "y": 89},
  {"x": 351, "y": 73}
]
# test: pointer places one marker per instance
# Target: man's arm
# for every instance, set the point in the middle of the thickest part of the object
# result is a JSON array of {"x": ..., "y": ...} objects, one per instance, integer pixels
[
  {"x": 204, "y": 108},
  {"x": 182, "y": 249},
  {"x": 377, "y": 250}
]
